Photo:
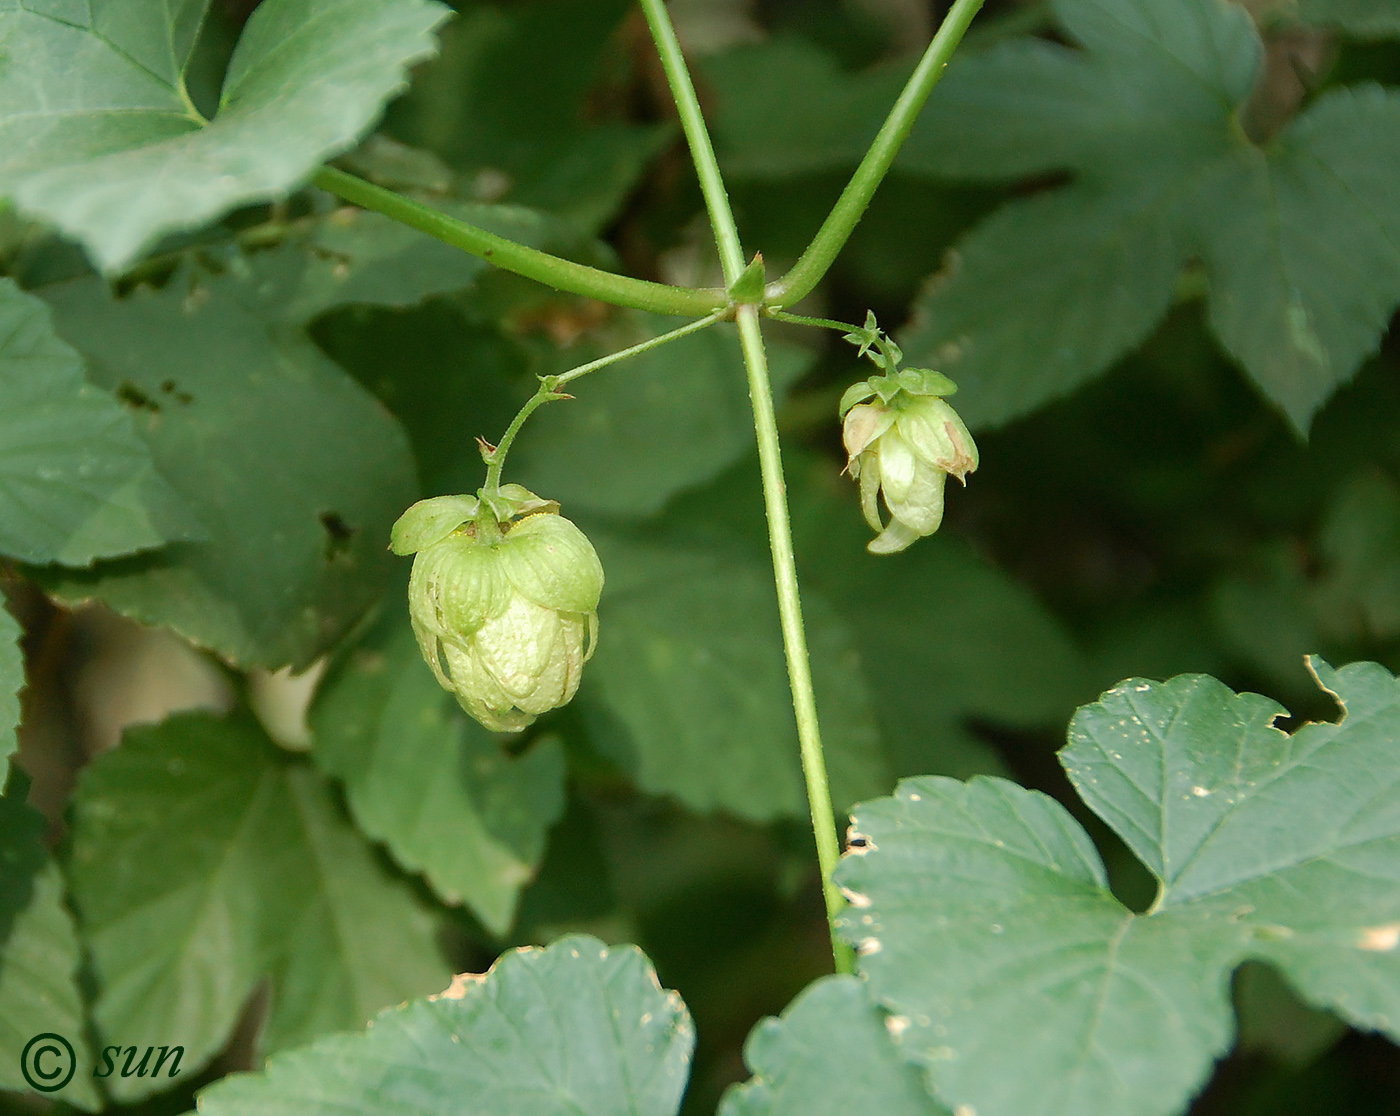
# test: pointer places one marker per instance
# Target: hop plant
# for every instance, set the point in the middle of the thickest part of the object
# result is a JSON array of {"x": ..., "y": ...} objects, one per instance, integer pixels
[
  {"x": 504, "y": 605},
  {"x": 904, "y": 446}
]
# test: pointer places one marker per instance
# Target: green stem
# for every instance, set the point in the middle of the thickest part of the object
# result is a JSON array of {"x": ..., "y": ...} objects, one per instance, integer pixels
[
  {"x": 819, "y": 323},
  {"x": 846, "y": 214},
  {"x": 804, "y": 702},
  {"x": 562, "y": 275},
  {"x": 641, "y": 347},
  {"x": 770, "y": 465},
  {"x": 497, "y": 457},
  {"x": 550, "y": 385},
  {"x": 731, "y": 255}
]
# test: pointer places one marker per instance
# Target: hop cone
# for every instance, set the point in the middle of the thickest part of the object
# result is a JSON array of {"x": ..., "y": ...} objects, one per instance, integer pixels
[{"x": 505, "y": 614}]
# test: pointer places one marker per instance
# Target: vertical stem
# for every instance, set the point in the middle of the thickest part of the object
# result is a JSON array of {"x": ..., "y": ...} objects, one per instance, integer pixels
[
  {"x": 731, "y": 255},
  {"x": 771, "y": 465},
  {"x": 799, "y": 669}
]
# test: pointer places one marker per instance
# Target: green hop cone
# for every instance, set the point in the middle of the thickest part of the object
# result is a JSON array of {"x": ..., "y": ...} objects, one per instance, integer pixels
[
  {"x": 904, "y": 446},
  {"x": 505, "y": 612}
]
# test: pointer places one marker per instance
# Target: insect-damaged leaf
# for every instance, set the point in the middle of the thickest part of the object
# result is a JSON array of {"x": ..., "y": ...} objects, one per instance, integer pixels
[
  {"x": 577, "y": 1029},
  {"x": 1023, "y": 986}
]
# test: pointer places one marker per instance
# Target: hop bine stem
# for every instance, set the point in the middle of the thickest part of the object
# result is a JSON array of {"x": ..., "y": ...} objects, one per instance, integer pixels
[{"x": 770, "y": 464}]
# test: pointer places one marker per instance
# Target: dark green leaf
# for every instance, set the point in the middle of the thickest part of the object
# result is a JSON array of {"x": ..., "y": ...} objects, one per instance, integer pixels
[
  {"x": 446, "y": 377},
  {"x": 11, "y": 683},
  {"x": 936, "y": 630},
  {"x": 76, "y": 483},
  {"x": 508, "y": 104},
  {"x": 109, "y": 147},
  {"x": 689, "y": 692},
  {"x": 587, "y": 178},
  {"x": 1300, "y": 243},
  {"x": 1365, "y": 19},
  {"x": 830, "y": 1053},
  {"x": 1023, "y": 986},
  {"x": 22, "y": 855},
  {"x": 296, "y": 471},
  {"x": 355, "y": 257},
  {"x": 39, "y": 958},
  {"x": 432, "y": 784},
  {"x": 270, "y": 881},
  {"x": 573, "y": 1030},
  {"x": 785, "y": 108},
  {"x": 1297, "y": 234},
  {"x": 1082, "y": 278},
  {"x": 939, "y": 631}
]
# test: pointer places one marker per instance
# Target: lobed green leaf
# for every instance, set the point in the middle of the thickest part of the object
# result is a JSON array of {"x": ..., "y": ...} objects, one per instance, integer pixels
[
  {"x": 985, "y": 924},
  {"x": 121, "y": 156},
  {"x": 577, "y": 1029},
  {"x": 432, "y": 784},
  {"x": 1296, "y": 233},
  {"x": 76, "y": 482},
  {"x": 39, "y": 959},
  {"x": 296, "y": 471},
  {"x": 271, "y": 883}
]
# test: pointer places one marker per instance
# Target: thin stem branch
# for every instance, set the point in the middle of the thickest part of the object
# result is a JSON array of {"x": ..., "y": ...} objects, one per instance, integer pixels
[
  {"x": 640, "y": 348},
  {"x": 770, "y": 465},
  {"x": 731, "y": 255},
  {"x": 550, "y": 385},
  {"x": 819, "y": 323},
  {"x": 850, "y": 207},
  {"x": 562, "y": 275}
]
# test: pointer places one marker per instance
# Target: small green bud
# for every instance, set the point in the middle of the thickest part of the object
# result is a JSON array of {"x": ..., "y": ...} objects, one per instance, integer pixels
[
  {"x": 904, "y": 448},
  {"x": 750, "y": 285},
  {"x": 505, "y": 612}
]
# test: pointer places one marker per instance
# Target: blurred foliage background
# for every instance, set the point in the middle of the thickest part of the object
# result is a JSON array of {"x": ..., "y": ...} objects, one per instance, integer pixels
[{"x": 1142, "y": 511}]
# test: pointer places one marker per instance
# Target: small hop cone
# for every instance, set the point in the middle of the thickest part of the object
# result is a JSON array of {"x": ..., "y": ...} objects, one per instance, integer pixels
[
  {"x": 505, "y": 618},
  {"x": 905, "y": 450}
]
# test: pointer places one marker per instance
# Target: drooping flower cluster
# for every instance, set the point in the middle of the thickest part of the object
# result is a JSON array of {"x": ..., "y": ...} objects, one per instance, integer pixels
[
  {"x": 904, "y": 446},
  {"x": 505, "y": 609}
]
